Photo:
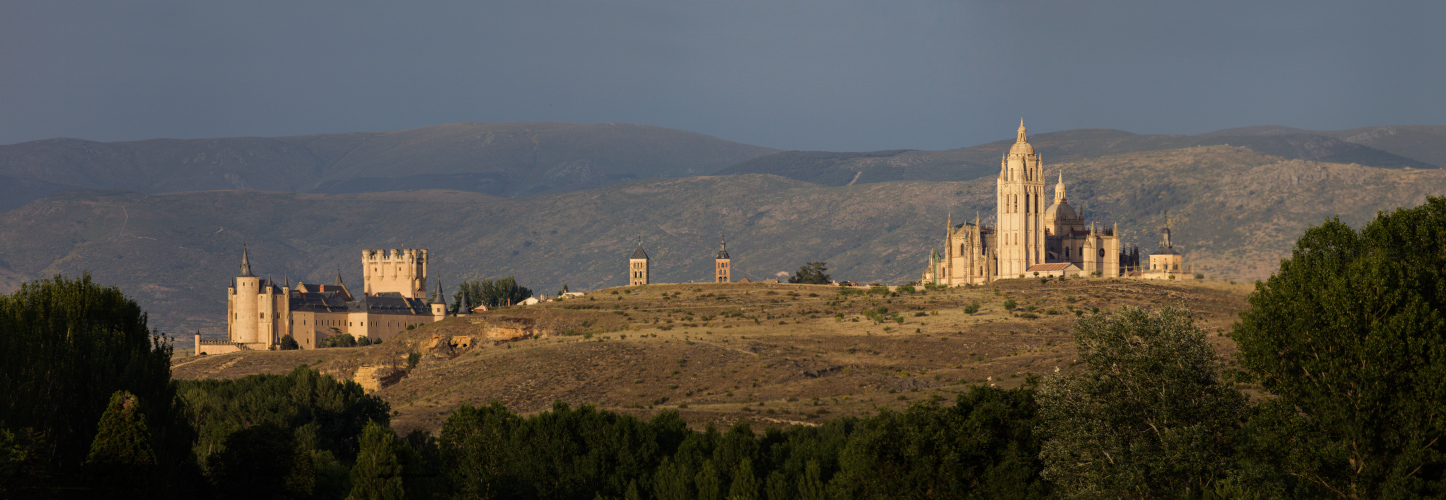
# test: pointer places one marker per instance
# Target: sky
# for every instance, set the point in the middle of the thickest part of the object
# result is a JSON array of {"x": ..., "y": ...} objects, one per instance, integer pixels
[{"x": 836, "y": 75}]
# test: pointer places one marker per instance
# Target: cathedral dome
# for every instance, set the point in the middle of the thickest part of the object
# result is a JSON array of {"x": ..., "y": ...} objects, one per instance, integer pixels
[
  {"x": 1021, "y": 143},
  {"x": 1060, "y": 211}
]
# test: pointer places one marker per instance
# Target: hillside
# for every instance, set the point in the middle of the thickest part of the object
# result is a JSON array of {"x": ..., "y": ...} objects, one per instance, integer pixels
[
  {"x": 508, "y": 159},
  {"x": 768, "y": 354},
  {"x": 838, "y": 169},
  {"x": 1237, "y": 213}
]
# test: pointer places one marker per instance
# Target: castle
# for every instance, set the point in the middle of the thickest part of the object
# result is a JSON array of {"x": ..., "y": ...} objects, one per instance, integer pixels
[
  {"x": 1029, "y": 238},
  {"x": 259, "y": 312}
]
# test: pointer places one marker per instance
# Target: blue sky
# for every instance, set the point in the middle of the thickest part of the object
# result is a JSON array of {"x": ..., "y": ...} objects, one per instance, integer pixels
[{"x": 829, "y": 75}]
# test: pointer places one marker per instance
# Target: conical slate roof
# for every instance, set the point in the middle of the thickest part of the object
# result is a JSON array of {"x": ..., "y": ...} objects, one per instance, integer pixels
[
  {"x": 245, "y": 264},
  {"x": 438, "y": 298},
  {"x": 639, "y": 253}
]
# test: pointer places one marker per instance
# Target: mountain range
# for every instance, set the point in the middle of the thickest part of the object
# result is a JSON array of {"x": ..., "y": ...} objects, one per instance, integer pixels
[{"x": 1236, "y": 210}]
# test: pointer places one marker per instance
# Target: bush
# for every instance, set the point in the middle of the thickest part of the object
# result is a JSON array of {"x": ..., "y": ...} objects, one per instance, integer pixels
[
  {"x": 341, "y": 340},
  {"x": 972, "y": 308},
  {"x": 288, "y": 343},
  {"x": 1009, "y": 304},
  {"x": 812, "y": 273},
  {"x": 905, "y": 289}
]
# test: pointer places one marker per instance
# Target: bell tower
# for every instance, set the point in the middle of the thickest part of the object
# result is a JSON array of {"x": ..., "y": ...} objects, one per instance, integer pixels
[
  {"x": 722, "y": 265},
  {"x": 638, "y": 266},
  {"x": 1020, "y": 200}
]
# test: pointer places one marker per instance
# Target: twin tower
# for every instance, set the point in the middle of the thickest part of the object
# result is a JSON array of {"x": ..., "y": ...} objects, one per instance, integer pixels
[{"x": 638, "y": 265}]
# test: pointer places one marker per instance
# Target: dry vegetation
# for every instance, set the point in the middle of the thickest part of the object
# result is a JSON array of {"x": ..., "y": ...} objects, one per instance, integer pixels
[{"x": 770, "y": 354}]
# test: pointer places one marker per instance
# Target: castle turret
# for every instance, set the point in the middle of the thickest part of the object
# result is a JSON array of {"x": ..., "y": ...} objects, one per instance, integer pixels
[
  {"x": 439, "y": 303},
  {"x": 245, "y": 314}
]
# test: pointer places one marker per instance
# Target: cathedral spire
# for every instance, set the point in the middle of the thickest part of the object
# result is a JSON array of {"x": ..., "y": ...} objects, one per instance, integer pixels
[
  {"x": 1059, "y": 188},
  {"x": 1021, "y": 131},
  {"x": 245, "y": 263}
]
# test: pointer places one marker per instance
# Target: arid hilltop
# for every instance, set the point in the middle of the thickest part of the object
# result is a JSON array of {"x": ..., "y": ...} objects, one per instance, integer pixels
[{"x": 769, "y": 354}]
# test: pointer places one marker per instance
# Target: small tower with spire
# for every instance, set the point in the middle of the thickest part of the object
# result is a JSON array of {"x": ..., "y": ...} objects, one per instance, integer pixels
[
  {"x": 723, "y": 264},
  {"x": 439, "y": 303},
  {"x": 638, "y": 266}
]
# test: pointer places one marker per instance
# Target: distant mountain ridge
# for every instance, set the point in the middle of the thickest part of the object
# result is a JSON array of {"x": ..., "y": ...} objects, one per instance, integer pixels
[
  {"x": 1236, "y": 212},
  {"x": 508, "y": 159},
  {"x": 1377, "y": 147}
]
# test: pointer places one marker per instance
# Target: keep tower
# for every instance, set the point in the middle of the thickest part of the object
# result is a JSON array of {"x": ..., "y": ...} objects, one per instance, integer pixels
[{"x": 1020, "y": 200}]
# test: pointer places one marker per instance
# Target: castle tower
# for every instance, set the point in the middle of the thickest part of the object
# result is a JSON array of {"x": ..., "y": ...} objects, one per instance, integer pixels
[
  {"x": 401, "y": 271},
  {"x": 722, "y": 265},
  {"x": 439, "y": 303},
  {"x": 245, "y": 318},
  {"x": 1020, "y": 200},
  {"x": 638, "y": 266}
]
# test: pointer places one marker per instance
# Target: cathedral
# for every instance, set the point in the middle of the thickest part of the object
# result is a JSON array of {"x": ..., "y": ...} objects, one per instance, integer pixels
[
  {"x": 1029, "y": 238},
  {"x": 259, "y": 312}
]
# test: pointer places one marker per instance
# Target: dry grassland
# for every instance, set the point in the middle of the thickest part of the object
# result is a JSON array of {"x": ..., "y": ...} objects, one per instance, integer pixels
[{"x": 771, "y": 354}]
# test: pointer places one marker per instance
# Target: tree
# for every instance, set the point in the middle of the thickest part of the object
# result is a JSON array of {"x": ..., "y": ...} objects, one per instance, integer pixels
[
  {"x": 121, "y": 458},
  {"x": 377, "y": 474},
  {"x": 288, "y": 343},
  {"x": 1148, "y": 416},
  {"x": 66, "y": 347},
  {"x": 255, "y": 463},
  {"x": 1350, "y": 333},
  {"x": 812, "y": 273},
  {"x": 745, "y": 484},
  {"x": 492, "y": 293}
]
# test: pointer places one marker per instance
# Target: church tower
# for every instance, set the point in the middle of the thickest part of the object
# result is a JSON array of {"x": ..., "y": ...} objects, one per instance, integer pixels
[
  {"x": 638, "y": 266},
  {"x": 1020, "y": 201},
  {"x": 723, "y": 265}
]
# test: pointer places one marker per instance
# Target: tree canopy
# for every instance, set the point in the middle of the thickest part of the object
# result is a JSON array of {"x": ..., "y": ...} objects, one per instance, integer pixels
[
  {"x": 1351, "y": 335},
  {"x": 812, "y": 273},
  {"x": 491, "y": 293}
]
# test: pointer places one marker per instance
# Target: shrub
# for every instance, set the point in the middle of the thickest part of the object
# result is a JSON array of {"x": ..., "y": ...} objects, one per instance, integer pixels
[
  {"x": 972, "y": 308},
  {"x": 1009, "y": 304}
]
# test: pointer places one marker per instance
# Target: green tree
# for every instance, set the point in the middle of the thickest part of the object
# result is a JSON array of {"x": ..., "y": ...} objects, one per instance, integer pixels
[
  {"x": 1350, "y": 333},
  {"x": 377, "y": 474},
  {"x": 707, "y": 481},
  {"x": 812, "y": 273},
  {"x": 475, "y": 450},
  {"x": 66, "y": 346},
  {"x": 492, "y": 293},
  {"x": 811, "y": 486},
  {"x": 255, "y": 463},
  {"x": 1148, "y": 417},
  {"x": 745, "y": 484},
  {"x": 288, "y": 343},
  {"x": 671, "y": 481},
  {"x": 121, "y": 458}
]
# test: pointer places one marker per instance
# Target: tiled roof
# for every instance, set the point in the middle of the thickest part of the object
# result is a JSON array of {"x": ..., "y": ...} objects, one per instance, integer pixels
[{"x": 1053, "y": 266}]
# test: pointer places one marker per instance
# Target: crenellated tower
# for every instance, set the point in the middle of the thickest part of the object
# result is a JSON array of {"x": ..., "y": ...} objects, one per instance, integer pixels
[{"x": 402, "y": 271}]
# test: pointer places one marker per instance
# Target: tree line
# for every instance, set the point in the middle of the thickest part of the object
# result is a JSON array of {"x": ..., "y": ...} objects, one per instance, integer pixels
[{"x": 1337, "y": 392}]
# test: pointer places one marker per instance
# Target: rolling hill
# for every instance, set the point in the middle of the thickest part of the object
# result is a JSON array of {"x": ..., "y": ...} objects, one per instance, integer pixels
[
  {"x": 1358, "y": 146},
  {"x": 508, "y": 159},
  {"x": 1237, "y": 213}
]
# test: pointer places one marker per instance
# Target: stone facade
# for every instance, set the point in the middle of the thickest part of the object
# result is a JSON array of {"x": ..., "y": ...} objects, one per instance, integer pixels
[
  {"x": 1028, "y": 236},
  {"x": 1166, "y": 262},
  {"x": 722, "y": 264},
  {"x": 261, "y": 312},
  {"x": 638, "y": 266}
]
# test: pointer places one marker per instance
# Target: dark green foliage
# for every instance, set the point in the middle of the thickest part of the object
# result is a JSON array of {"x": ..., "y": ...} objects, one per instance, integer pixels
[
  {"x": 1148, "y": 416},
  {"x": 121, "y": 458},
  {"x": 330, "y": 413},
  {"x": 364, "y": 341},
  {"x": 972, "y": 308},
  {"x": 288, "y": 343},
  {"x": 341, "y": 340},
  {"x": 812, "y": 273},
  {"x": 982, "y": 447},
  {"x": 377, "y": 474},
  {"x": 422, "y": 477},
  {"x": 1351, "y": 335},
  {"x": 256, "y": 463},
  {"x": 1009, "y": 304},
  {"x": 66, "y": 346},
  {"x": 491, "y": 293}
]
